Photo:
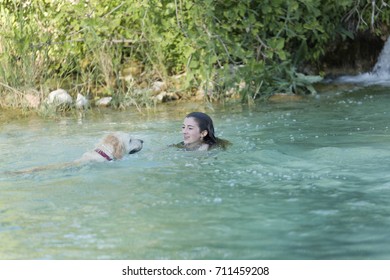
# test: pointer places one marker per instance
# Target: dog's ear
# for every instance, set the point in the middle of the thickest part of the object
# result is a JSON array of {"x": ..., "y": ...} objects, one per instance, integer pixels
[{"x": 117, "y": 145}]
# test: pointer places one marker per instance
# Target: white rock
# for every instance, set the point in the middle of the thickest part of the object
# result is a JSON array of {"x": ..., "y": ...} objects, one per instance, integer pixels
[
  {"x": 59, "y": 97},
  {"x": 158, "y": 86},
  {"x": 105, "y": 101},
  {"x": 81, "y": 101}
]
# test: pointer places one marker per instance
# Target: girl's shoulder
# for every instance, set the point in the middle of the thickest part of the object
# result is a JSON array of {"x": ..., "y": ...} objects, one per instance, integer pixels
[
  {"x": 178, "y": 145},
  {"x": 222, "y": 144},
  {"x": 181, "y": 146}
]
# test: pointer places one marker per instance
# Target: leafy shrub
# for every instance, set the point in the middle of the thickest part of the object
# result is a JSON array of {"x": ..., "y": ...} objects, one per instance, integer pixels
[{"x": 253, "y": 47}]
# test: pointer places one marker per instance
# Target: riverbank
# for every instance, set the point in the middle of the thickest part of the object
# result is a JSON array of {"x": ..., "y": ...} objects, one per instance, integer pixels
[{"x": 141, "y": 55}]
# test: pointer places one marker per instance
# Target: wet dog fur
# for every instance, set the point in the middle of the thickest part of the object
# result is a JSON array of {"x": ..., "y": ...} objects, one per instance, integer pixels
[{"x": 112, "y": 147}]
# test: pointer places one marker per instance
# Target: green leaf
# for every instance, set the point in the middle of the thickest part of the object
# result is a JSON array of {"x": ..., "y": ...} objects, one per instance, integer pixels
[{"x": 308, "y": 79}]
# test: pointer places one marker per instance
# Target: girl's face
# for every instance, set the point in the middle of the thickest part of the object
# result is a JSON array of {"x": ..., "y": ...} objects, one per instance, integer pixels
[{"x": 192, "y": 135}]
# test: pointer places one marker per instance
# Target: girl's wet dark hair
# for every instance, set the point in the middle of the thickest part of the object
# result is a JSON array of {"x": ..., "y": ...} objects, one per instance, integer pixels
[{"x": 205, "y": 123}]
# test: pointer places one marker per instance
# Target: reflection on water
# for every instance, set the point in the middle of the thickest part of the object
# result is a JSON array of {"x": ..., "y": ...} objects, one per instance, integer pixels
[{"x": 304, "y": 180}]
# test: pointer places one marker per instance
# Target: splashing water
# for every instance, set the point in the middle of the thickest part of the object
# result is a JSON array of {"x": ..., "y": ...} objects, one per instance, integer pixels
[{"x": 380, "y": 75}]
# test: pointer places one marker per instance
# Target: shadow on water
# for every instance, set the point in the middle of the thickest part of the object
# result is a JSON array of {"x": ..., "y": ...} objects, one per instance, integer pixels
[{"x": 302, "y": 180}]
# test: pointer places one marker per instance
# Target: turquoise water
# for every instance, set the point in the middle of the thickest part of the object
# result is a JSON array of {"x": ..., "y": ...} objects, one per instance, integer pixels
[{"x": 303, "y": 180}]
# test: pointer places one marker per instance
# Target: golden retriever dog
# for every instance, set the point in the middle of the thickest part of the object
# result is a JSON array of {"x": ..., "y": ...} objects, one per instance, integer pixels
[{"x": 112, "y": 147}]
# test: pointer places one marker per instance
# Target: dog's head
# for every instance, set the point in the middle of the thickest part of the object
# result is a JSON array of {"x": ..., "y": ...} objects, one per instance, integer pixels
[{"x": 122, "y": 143}]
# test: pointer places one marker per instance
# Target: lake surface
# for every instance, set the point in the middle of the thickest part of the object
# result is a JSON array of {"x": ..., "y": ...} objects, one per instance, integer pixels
[{"x": 302, "y": 180}]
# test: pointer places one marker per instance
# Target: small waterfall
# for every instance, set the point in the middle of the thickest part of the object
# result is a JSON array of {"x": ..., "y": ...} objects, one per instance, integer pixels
[
  {"x": 382, "y": 67},
  {"x": 380, "y": 74}
]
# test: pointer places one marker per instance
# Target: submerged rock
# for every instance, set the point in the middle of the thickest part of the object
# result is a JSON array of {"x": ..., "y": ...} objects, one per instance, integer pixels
[{"x": 284, "y": 97}]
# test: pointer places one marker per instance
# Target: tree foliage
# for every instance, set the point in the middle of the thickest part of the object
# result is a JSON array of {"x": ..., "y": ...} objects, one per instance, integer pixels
[{"x": 224, "y": 47}]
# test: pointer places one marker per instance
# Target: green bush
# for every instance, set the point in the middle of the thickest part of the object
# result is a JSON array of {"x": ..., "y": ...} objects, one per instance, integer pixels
[{"x": 225, "y": 48}]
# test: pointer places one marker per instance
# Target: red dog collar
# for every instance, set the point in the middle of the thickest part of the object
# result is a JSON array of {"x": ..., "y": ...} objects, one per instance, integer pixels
[{"x": 103, "y": 154}]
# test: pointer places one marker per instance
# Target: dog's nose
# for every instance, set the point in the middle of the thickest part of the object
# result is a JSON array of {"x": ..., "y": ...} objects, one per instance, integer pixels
[{"x": 142, "y": 141}]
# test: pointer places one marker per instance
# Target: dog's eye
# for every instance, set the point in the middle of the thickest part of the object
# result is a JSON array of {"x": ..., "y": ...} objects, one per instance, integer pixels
[{"x": 130, "y": 140}]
